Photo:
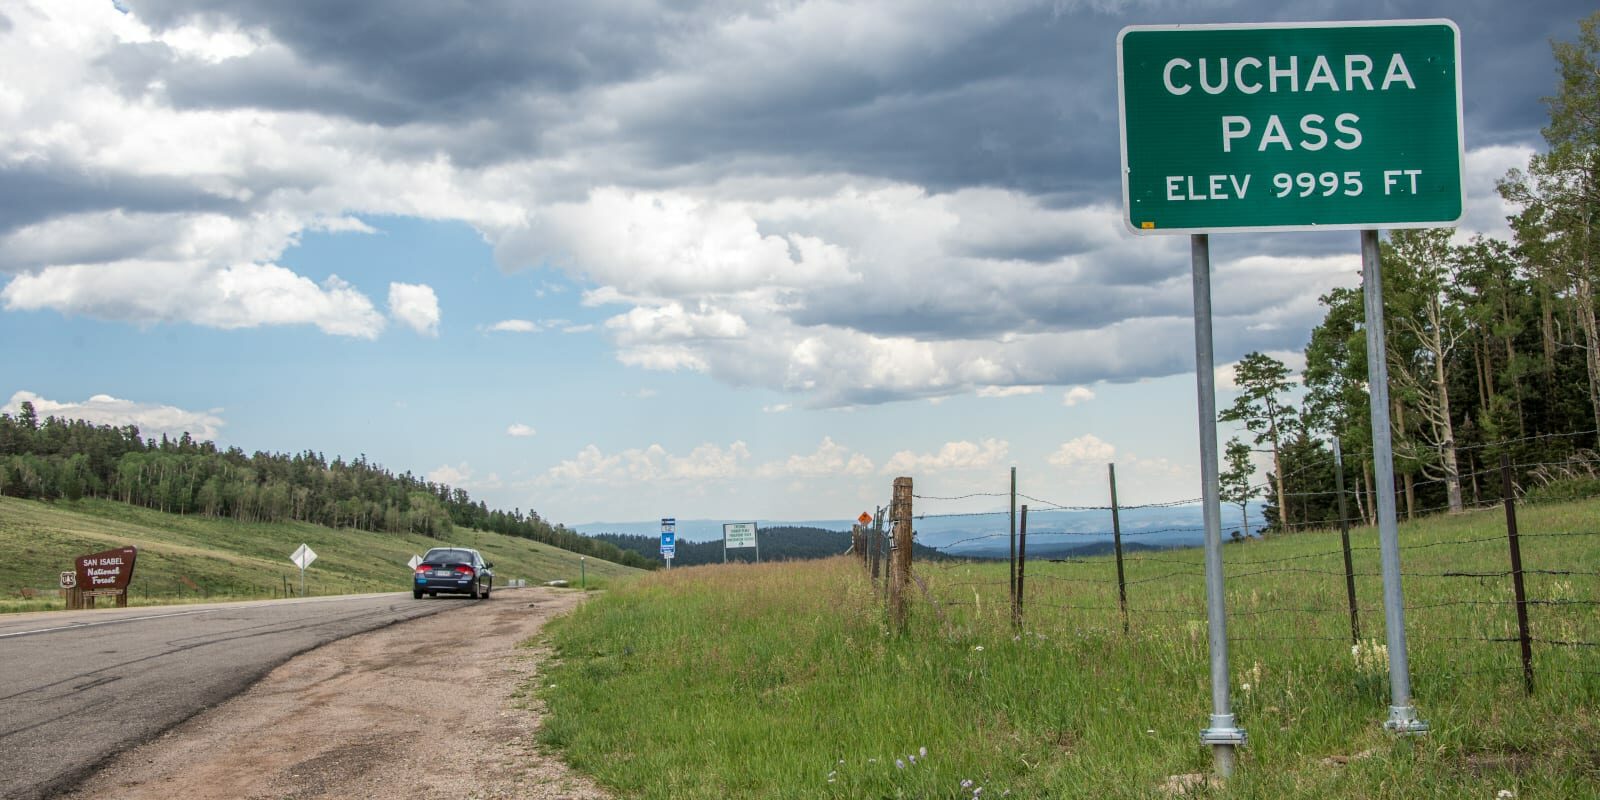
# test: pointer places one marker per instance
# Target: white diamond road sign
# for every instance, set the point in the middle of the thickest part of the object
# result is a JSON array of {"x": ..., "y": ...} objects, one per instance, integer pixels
[{"x": 303, "y": 556}]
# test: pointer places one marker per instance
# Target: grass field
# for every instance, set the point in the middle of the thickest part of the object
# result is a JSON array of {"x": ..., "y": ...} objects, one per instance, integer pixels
[
  {"x": 188, "y": 558},
  {"x": 784, "y": 680}
]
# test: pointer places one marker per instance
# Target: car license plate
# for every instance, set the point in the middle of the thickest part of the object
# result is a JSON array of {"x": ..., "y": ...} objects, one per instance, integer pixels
[{"x": 442, "y": 573}]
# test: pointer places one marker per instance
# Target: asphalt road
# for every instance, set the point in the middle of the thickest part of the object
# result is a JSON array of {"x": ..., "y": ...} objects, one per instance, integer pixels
[{"x": 76, "y": 687}]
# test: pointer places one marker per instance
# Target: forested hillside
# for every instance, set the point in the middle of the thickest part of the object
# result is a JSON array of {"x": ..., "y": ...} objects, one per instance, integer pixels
[
  {"x": 778, "y": 543},
  {"x": 70, "y": 459}
]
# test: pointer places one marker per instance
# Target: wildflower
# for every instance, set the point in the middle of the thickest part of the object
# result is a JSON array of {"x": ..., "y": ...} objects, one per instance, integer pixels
[
  {"x": 1244, "y": 687},
  {"x": 899, "y": 763},
  {"x": 922, "y": 751},
  {"x": 1504, "y": 794},
  {"x": 1151, "y": 731},
  {"x": 977, "y": 791},
  {"x": 966, "y": 783},
  {"x": 978, "y": 648},
  {"x": 912, "y": 758}
]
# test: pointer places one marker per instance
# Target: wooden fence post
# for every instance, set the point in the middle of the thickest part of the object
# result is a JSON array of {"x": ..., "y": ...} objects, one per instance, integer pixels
[
  {"x": 874, "y": 534},
  {"x": 900, "y": 555}
]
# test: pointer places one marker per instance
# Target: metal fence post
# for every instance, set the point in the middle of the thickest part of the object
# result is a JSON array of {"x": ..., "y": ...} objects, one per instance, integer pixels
[
  {"x": 1013, "y": 582},
  {"x": 1116, "y": 543},
  {"x": 1402, "y": 715},
  {"x": 1516, "y": 574},
  {"x": 1344, "y": 539},
  {"x": 1022, "y": 563}
]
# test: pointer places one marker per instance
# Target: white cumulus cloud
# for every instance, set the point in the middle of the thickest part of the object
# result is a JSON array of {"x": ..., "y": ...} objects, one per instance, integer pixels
[
  {"x": 1085, "y": 449},
  {"x": 829, "y": 460},
  {"x": 1009, "y": 391},
  {"x": 415, "y": 305},
  {"x": 515, "y": 326},
  {"x": 961, "y": 455},
  {"x": 152, "y": 419},
  {"x": 241, "y": 296},
  {"x": 1076, "y": 395},
  {"x": 462, "y": 476},
  {"x": 520, "y": 430},
  {"x": 650, "y": 465}
]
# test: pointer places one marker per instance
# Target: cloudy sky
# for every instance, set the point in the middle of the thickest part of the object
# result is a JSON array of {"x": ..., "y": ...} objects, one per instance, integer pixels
[{"x": 625, "y": 259}]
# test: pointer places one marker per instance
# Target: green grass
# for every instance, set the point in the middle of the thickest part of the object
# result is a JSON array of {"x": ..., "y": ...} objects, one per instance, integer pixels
[
  {"x": 193, "y": 558},
  {"x": 783, "y": 680}
]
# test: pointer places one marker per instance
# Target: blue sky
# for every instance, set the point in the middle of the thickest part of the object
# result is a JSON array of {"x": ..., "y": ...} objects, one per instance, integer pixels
[{"x": 619, "y": 261}]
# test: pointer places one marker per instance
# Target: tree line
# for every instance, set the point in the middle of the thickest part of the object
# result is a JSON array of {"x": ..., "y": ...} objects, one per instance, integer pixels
[
  {"x": 1493, "y": 346},
  {"x": 69, "y": 459}
]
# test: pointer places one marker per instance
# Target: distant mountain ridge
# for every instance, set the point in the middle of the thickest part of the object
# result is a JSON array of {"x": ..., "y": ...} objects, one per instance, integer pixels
[
  {"x": 1051, "y": 533},
  {"x": 778, "y": 543}
]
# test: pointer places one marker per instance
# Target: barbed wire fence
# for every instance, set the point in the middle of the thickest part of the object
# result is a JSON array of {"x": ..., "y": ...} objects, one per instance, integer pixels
[{"x": 1530, "y": 589}]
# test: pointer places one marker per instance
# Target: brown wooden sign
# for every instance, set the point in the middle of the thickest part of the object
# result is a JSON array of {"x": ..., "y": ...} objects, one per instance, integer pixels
[{"x": 103, "y": 574}]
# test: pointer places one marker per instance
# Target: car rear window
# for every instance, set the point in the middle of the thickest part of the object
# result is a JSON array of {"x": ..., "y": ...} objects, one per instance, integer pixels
[{"x": 448, "y": 557}]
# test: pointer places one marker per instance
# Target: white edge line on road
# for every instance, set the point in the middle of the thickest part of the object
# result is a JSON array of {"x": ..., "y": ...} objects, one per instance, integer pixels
[{"x": 108, "y": 622}]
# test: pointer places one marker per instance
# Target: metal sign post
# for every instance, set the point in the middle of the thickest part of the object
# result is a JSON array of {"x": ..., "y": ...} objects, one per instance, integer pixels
[
  {"x": 1223, "y": 735},
  {"x": 1294, "y": 126},
  {"x": 302, "y": 558},
  {"x": 669, "y": 540},
  {"x": 1402, "y": 715}
]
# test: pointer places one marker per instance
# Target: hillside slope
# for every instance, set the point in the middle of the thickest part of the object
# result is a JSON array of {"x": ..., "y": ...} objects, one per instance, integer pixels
[{"x": 189, "y": 556}]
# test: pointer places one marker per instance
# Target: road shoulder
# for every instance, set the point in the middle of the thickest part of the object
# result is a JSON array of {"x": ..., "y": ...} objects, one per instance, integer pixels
[{"x": 424, "y": 707}]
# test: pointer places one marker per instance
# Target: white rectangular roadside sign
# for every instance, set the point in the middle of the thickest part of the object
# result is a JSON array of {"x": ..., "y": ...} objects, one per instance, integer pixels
[{"x": 739, "y": 534}]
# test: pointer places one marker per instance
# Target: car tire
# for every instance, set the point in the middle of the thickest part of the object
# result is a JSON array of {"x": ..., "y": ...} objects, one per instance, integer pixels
[
  {"x": 416, "y": 594},
  {"x": 487, "y": 590},
  {"x": 472, "y": 591}
]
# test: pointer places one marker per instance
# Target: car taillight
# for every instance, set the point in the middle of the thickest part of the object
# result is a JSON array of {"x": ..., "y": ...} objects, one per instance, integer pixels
[
  {"x": 464, "y": 568},
  {"x": 423, "y": 567}
]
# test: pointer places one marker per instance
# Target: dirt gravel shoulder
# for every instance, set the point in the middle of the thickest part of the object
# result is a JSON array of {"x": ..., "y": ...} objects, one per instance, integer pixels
[{"x": 422, "y": 708}]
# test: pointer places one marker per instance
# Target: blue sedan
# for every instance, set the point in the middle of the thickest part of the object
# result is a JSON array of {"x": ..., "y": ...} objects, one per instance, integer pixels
[{"x": 453, "y": 570}]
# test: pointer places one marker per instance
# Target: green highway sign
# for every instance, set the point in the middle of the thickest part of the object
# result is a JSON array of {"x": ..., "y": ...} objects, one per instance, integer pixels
[{"x": 1302, "y": 126}]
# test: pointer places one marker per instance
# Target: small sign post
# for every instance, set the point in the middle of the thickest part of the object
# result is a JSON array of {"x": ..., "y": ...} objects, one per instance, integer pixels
[
  {"x": 669, "y": 540},
  {"x": 302, "y": 558},
  {"x": 739, "y": 534}
]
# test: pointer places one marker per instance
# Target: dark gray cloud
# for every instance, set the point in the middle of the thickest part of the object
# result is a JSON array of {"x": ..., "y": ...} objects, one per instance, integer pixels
[
  {"x": 425, "y": 61},
  {"x": 1024, "y": 102},
  {"x": 32, "y": 192}
]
